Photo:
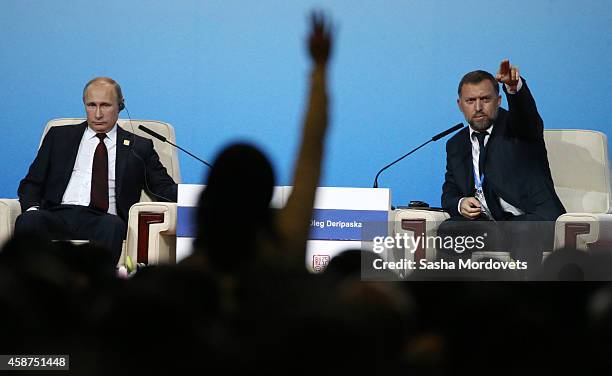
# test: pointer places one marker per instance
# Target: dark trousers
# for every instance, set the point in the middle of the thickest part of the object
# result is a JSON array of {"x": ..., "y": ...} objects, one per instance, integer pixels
[
  {"x": 525, "y": 237},
  {"x": 66, "y": 222}
]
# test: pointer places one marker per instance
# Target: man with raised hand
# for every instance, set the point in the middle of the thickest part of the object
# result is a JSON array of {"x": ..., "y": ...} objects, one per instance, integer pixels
[{"x": 497, "y": 168}]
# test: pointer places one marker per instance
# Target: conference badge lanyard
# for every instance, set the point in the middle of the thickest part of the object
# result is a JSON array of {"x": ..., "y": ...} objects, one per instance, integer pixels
[{"x": 478, "y": 182}]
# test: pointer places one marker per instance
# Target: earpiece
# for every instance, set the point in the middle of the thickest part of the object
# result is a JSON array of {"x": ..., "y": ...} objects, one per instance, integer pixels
[{"x": 121, "y": 105}]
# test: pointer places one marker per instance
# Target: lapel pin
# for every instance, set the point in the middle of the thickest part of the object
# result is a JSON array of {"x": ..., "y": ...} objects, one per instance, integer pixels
[{"x": 126, "y": 142}]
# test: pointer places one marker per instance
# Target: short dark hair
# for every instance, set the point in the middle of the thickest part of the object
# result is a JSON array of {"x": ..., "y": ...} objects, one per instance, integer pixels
[{"x": 476, "y": 77}]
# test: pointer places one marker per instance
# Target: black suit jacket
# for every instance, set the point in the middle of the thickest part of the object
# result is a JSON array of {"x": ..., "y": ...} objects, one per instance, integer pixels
[
  {"x": 49, "y": 174},
  {"x": 516, "y": 164}
]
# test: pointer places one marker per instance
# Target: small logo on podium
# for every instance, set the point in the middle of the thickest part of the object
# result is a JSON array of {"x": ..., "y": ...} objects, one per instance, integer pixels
[{"x": 319, "y": 262}]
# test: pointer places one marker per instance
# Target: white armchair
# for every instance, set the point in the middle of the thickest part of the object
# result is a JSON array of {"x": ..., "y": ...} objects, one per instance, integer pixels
[
  {"x": 580, "y": 168},
  {"x": 581, "y": 171},
  {"x": 151, "y": 225}
]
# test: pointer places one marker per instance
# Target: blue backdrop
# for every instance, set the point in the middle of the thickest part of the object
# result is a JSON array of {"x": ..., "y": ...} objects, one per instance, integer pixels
[{"x": 221, "y": 71}]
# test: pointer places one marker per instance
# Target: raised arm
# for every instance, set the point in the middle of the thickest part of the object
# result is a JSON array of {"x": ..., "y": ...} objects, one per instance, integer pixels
[
  {"x": 525, "y": 121},
  {"x": 293, "y": 221}
]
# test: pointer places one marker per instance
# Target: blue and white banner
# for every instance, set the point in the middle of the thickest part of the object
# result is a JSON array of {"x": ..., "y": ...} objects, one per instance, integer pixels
[
  {"x": 341, "y": 218},
  {"x": 335, "y": 224}
]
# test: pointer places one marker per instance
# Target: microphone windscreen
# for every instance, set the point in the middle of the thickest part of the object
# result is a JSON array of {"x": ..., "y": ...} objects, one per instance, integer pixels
[
  {"x": 447, "y": 132},
  {"x": 152, "y": 133}
]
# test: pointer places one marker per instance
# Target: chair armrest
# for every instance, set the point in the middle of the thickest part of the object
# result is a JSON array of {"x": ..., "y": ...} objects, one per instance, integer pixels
[
  {"x": 584, "y": 231},
  {"x": 151, "y": 232},
  {"x": 418, "y": 222},
  {"x": 9, "y": 211},
  {"x": 433, "y": 216}
]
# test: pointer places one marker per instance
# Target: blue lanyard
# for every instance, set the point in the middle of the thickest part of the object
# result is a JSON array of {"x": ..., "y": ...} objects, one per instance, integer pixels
[{"x": 478, "y": 181}]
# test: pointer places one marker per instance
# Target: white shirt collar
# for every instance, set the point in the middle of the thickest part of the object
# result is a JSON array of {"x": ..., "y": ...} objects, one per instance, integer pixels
[
  {"x": 112, "y": 134},
  {"x": 490, "y": 130}
]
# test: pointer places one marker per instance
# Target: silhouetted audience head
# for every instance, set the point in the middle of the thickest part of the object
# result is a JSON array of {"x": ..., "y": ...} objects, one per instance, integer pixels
[
  {"x": 239, "y": 186},
  {"x": 347, "y": 263},
  {"x": 574, "y": 265},
  {"x": 241, "y": 177},
  {"x": 359, "y": 264}
]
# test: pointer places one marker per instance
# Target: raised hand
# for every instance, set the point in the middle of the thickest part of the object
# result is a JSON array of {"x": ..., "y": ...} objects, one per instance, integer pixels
[
  {"x": 293, "y": 221},
  {"x": 320, "y": 40},
  {"x": 508, "y": 74}
]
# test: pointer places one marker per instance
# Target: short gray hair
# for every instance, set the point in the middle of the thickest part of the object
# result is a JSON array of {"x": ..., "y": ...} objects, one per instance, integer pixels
[{"x": 105, "y": 80}]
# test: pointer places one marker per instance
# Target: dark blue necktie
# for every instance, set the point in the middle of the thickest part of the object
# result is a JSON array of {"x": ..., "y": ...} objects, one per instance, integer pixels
[
  {"x": 492, "y": 198},
  {"x": 483, "y": 150}
]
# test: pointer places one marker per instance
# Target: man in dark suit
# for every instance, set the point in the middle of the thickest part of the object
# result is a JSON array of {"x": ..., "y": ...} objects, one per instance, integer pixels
[
  {"x": 86, "y": 176},
  {"x": 497, "y": 169}
]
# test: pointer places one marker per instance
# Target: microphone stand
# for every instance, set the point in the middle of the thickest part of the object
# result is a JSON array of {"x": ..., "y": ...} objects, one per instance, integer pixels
[
  {"x": 201, "y": 160},
  {"x": 164, "y": 139},
  {"x": 397, "y": 160},
  {"x": 434, "y": 138}
]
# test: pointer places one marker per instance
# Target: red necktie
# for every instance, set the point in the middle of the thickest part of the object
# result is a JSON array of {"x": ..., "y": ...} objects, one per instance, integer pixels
[{"x": 99, "y": 176}]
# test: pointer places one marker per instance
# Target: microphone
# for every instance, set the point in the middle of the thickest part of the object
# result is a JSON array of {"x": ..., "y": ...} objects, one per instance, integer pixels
[
  {"x": 447, "y": 132},
  {"x": 152, "y": 133},
  {"x": 163, "y": 139},
  {"x": 434, "y": 138}
]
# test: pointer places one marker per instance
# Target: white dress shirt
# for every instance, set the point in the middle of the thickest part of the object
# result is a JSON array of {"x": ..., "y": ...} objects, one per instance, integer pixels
[
  {"x": 476, "y": 154},
  {"x": 78, "y": 191}
]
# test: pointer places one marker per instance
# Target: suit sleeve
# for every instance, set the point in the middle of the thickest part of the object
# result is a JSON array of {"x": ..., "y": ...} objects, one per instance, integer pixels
[
  {"x": 159, "y": 182},
  {"x": 31, "y": 188},
  {"x": 524, "y": 121},
  {"x": 450, "y": 191}
]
